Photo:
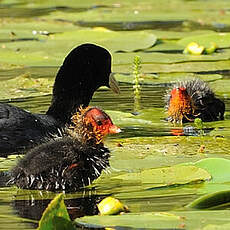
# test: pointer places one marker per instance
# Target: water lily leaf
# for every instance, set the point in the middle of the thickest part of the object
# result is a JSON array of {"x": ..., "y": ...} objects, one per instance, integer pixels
[
  {"x": 176, "y": 35},
  {"x": 221, "y": 87},
  {"x": 128, "y": 41},
  {"x": 221, "y": 39},
  {"x": 219, "y": 168},
  {"x": 159, "y": 57},
  {"x": 56, "y": 208},
  {"x": 187, "y": 67},
  {"x": 167, "y": 176},
  {"x": 158, "y": 220},
  {"x": 52, "y": 49},
  {"x": 216, "y": 227},
  {"x": 212, "y": 201},
  {"x": 161, "y": 78}
]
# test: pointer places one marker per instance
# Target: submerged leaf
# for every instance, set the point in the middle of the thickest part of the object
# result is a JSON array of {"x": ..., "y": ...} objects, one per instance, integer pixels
[{"x": 211, "y": 201}]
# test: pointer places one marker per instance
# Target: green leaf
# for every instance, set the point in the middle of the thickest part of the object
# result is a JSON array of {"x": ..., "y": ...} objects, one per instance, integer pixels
[
  {"x": 60, "y": 223},
  {"x": 191, "y": 220},
  {"x": 186, "y": 67},
  {"x": 167, "y": 176},
  {"x": 212, "y": 201},
  {"x": 217, "y": 227},
  {"x": 221, "y": 39},
  {"x": 56, "y": 208},
  {"x": 219, "y": 168},
  {"x": 128, "y": 40}
]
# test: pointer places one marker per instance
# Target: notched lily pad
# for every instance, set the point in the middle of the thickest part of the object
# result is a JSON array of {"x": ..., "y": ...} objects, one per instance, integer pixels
[
  {"x": 219, "y": 168},
  {"x": 114, "y": 41},
  {"x": 161, "y": 177}
]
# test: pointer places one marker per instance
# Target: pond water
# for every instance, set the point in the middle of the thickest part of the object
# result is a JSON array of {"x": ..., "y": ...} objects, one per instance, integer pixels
[
  {"x": 34, "y": 39},
  {"x": 30, "y": 204}
]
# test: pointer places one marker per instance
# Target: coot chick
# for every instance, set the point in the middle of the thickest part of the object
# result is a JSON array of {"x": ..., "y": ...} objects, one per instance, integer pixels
[
  {"x": 71, "y": 161},
  {"x": 192, "y": 99},
  {"x": 84, "y": 70}
]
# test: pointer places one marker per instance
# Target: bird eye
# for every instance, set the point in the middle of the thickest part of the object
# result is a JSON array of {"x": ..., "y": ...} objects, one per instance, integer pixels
[{"x": 99, "y": 122}]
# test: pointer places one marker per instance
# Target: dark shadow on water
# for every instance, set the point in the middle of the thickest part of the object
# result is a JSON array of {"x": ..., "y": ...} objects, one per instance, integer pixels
[
  {"x": 9, "y": 10},
  {"x": 33, "y": 207},
  {"x": 131, "y": 26},
  {"x": 173, "y": 25}
]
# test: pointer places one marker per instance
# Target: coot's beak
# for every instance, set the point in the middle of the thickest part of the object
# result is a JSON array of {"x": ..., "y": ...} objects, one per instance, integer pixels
[
  {"x": 113, "y": 84},
  {"x": 114, "y": 129}
]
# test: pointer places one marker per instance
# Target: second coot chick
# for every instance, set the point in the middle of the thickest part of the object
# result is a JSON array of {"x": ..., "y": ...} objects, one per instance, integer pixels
[
  {"x": 192, "y": 99},
  {"x": 84, "y": 70},
  {"x": 72, "y": 161}
]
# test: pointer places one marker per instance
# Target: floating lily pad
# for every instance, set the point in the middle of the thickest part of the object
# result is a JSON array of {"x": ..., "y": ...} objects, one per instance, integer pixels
[
  {"x": 162, "y": 78},
  {"x": 158, "y": 220},
  {"x": 221, "y": 39},
  {"x": 221, "y": 87},
  {"x": 215, "y": 200},
  {"x": 187, "y": 67},
  {"x": 160, "y": 177},
  {"x": 128, "y": 41},
  {"x": 219, "y": 168},
  {"x": 217, "y": 227}
]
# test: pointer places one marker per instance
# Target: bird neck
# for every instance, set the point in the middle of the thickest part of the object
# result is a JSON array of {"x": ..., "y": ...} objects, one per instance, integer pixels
[{"x": 67, "y": 97}]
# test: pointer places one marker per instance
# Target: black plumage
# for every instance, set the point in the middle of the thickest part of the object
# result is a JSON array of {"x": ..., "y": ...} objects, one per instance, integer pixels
[
  {"x": 71, "y": 161},
  {"x": 84, "y": 70},
  {"x": 191, "y": 99}
]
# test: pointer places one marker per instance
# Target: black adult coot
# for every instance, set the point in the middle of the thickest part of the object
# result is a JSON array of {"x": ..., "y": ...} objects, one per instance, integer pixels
[
  {"x": 192, "y": 99},
  {"x": 71, "y": 161},
  {"x": 84, "y": 70}
]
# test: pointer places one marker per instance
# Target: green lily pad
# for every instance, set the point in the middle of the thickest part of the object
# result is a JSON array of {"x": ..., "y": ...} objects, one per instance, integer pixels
[
  {"x": 163, "y": 78},
  {"x": 176, "y": 35},
  {"x": 221, "y": 39},
  {"x": 212, "y": 201},
  {"x": 160, "y": 177},
  {"x": 219, "y": 168},
  {"x": 221, "y": 87},
  {"x": 216, "y": 227},
  {"x": 187, "y": 67},
  {"x": 128, "y": 41},
  {"x": 52, "y": 49},
  {"x": 159, "y": 220}
]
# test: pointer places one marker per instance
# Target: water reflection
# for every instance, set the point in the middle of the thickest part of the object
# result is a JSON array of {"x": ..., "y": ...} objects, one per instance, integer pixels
[
  {"x": 28, "y": 205},
  {"x": 35, "y": 203}
]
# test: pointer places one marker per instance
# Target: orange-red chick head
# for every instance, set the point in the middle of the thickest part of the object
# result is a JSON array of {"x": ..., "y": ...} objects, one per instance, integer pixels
[
  {"x": 180, "y": 105},
  {"x": 100, "y": 121},
  {"x": 93, "y": 124}
]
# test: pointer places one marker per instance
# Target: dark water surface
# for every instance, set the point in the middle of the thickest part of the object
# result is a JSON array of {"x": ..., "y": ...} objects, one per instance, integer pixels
[
  {"x": 30, "y": 205},
  {"x": 147, "y": 140}
]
